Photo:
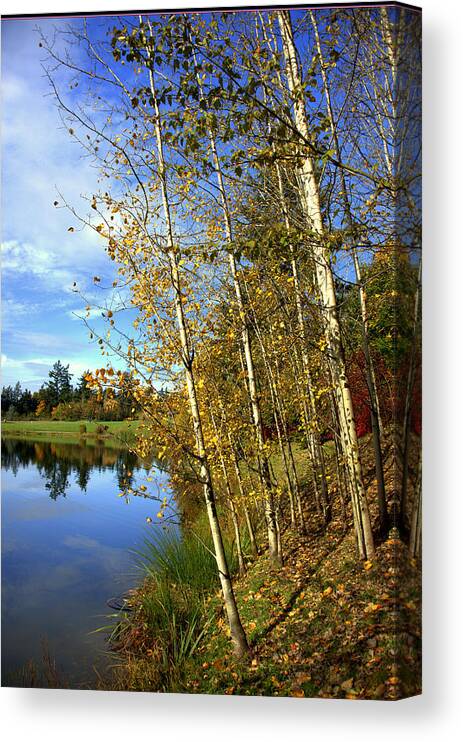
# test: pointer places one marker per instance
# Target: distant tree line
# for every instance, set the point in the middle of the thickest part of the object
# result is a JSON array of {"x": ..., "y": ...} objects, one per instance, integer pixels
[{"x": 58, "y": 399}]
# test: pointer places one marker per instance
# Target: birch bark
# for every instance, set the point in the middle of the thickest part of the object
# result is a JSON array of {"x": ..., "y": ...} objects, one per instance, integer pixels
[
  {"x": 376, "y": 425},
  {"x": 274, "y": 550},
  {"x": 237, "y": 633},
  {"x": 311, "y": 204}
]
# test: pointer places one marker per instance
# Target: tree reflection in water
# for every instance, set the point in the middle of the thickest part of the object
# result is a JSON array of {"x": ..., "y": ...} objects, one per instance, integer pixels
[{"x": 58, "y": 462}]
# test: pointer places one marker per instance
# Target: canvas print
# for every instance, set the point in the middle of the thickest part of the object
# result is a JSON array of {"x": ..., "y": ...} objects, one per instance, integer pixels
[{"x": 211, "y": 352}]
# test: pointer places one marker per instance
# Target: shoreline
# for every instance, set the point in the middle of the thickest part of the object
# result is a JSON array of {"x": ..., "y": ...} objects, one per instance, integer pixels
[{"x": 120, "y": 431}]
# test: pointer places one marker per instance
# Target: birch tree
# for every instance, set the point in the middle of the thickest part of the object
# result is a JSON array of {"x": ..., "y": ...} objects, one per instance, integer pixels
[
  {"x": 151, "y": 175},
  {"x": 311, "y": 203}
]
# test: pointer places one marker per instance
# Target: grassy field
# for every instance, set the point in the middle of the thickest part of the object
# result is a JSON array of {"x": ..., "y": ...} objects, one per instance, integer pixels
[{"x": 68, "y": 429}]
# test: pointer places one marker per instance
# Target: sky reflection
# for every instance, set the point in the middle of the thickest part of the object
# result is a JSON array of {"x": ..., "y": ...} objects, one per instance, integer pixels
[{"x": 66, "y": 549}]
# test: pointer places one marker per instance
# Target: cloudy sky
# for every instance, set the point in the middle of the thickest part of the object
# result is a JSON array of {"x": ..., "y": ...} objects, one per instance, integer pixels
[{"x": 40, "y": 258}]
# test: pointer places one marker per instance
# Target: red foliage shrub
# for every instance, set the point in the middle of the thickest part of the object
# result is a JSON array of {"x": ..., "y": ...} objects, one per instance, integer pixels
[{"x": 359, "y": 393}]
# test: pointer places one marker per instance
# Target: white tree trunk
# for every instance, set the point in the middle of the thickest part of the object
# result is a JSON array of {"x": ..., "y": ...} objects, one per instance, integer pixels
[
  {"x": 376, "y": 424},
  {"x": 311, "y": 205},
  {"x": 274, "y": 551},
  {"x": 317, "y": 451},
  {"x": 237, "y": 633}
]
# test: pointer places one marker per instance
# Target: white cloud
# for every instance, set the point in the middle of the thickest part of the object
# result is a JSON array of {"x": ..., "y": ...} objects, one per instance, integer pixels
[
  {"x": 9, "y": 362},
  {"x": 14, "y": 308},
  {"x": 40, "y": 159},
  {"x": 25, "y": 258},
  {"x": 40, "y": 258},
  {"x": 33, "y": 371}
]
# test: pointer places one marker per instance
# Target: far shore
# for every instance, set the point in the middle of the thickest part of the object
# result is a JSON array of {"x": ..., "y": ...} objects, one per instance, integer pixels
[{"x": 71, "y": 430}]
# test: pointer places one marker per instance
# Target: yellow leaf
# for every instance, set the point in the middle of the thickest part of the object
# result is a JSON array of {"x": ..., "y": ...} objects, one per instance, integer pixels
[{"x": 372, "y": 607}]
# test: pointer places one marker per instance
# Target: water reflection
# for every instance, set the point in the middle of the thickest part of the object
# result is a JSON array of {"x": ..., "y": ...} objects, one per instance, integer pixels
[
  {"x": 66, "y": 548},
  {"x": 57, "y": 461}
]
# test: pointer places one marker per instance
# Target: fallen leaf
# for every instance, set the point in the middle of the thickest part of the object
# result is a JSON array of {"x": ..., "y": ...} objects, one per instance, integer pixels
[{"x": 347, "y": 684}]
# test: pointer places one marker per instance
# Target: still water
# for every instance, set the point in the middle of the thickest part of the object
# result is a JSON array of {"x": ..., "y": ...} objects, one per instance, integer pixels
[{"x": 67, "y": 541}]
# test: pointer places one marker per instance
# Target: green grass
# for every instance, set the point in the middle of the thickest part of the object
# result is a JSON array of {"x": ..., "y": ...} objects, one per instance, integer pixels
[
  {"x": 69, "y": 429},
  {"x": 322, "y": 626},
  {"x": 301, "y": 461},
  {"x": 187, "y": 562},
  {"x": 170, "y": 615}
]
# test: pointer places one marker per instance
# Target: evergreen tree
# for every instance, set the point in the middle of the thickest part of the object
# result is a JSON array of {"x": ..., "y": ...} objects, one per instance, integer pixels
[{"x": 59, "y": 388}]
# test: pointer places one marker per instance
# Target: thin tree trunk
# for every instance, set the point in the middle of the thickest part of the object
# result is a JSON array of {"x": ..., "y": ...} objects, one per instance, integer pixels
[
  {"x": 320, "y": 472},
  {"x": 239, "y": 546},
  {"x": 325, "y": 281},
  {"x": 263, "y": 464},
  {"x": 277, "y": 416},
  {"x": 231, "y": 504},
  {"x": 297, "y": 489},
  {"x": 376, "y": 424},
  {"x": 280, "y": 547},
  {"x": 251, "y": 532},
  {"x": 247, "y": 515},
  {"x": 237, "y": 633},
  {"x": 284, "y": 427},
  {"x": 308, "y": 437},
  {"x": 415, "y": 527},
  {"x": 239, "y": 479},
  {"x": 274, "y": 555},
  {"x": 340, "y": 467}
]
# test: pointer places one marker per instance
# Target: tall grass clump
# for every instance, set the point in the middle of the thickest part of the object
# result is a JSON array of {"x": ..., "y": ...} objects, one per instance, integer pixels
[
  {"x": 179, "y": 572},
  {"x": 188, "y": 562},
  {"x": 169, "y": 617}
]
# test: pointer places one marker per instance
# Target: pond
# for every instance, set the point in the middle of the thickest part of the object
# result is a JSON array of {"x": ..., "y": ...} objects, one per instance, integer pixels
[{"x": 67, "y": 541}]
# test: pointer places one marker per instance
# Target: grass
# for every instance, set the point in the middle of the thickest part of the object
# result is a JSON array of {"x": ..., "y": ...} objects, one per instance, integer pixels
[
  {"x": 187, "y": 562},
  {"x": 69, "y": 429},
  {"x": 169, "y": 619},
  {"x": 324, "y": 626}
]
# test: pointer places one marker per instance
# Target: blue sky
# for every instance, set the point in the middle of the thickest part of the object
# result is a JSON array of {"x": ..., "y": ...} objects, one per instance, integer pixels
[{"x": 40, "y": 258}]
